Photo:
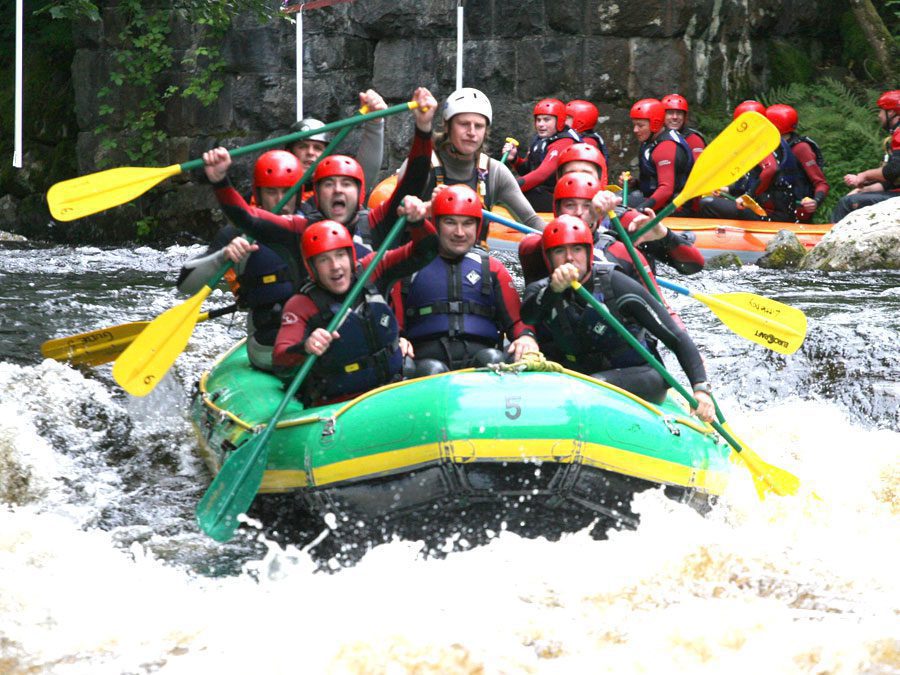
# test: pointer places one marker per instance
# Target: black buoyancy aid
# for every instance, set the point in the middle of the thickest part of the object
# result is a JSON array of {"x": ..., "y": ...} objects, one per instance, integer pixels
[
  {"x": 791, "y": 176},
  {"x": 478, "y": 181},
  {"x": 266, "y": 279},
  {"x": 587, "y": 136},
  {"x": 366, "y": 356},
  {"x": 587, "y": 341},
  {"x": 452, "y": 298},
  {"x": 539, "y": 149},
  {"x": 684, "y": 161}
]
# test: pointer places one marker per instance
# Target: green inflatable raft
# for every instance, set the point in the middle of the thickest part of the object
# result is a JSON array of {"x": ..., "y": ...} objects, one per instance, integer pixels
[{"x": 556, "y": 440}]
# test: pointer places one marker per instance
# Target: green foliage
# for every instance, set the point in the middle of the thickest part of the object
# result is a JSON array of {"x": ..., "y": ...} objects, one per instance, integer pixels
[
  {"x": 843, "y": 124},
  {"x": 789, "y": 63}
]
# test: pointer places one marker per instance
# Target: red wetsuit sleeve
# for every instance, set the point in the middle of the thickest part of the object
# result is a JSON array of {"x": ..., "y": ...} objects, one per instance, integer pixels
[
  {"x": 696, "y": 144},
  {"x": 895, "y": 140},
  {"x": 509, "y": 305},
  {"x": 413, "y": 182},
  {"x": 257, "y": 222},
  {"x": 807, "y": 158},
  {"x": 405, "y": 260},
  {"x": 298, "y": 311},
  {"x": 547, "y": 168},
  {"x": 664, "y": 157},
  {"x": 769, "y": 168}
]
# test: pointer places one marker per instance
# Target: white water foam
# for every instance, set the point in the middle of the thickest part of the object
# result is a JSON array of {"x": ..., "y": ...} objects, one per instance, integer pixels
[{"x": 790, "y": 585}]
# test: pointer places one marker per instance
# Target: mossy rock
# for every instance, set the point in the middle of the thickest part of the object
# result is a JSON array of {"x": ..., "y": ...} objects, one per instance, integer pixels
[{"x": 724, "y": 261}]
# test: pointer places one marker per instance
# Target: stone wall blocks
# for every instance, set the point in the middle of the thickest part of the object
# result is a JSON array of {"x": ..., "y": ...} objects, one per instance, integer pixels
[
  {"x": 252, "y": 50},
  {"x": 391, "y": 79}
]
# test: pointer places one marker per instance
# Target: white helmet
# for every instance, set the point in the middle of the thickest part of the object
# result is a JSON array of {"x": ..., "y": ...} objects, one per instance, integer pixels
[
  {"x": 468, "y": 100},
  {"x": 308, "y": 124}
]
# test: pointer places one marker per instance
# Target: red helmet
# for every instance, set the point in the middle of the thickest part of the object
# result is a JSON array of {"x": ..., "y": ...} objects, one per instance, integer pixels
[
  {"x": 584, "y": 152},
  {"x": 457, "y": 200},
  {"x": 675, "y": 102},
  {"x": 323, "y": 236},
  {"x": 276, "y": 169},
  {"x": 890, "y": 100},
  {"x": 575, "y": 185},
  {"x": 784, "y": 117},
  {"x": 584, "y": 114},
  {"x": 553, "y": 107},
  {"x": 649, "y": 109},
  {"x": 341, "y": 165},
  {"x": 564, "y": 230},
  {"x": 749, "y": 106}
]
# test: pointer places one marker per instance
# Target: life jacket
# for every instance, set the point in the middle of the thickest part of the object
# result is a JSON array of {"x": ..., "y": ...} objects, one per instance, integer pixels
[
  {"x": 649, "y": 178},
  {"x": 360, "y": 228},
  {"x": 792, "y": 178},
  {"x": 366, "y": 356},
  {"x": 266, "y": 279},
  {"x": 596, "y": 140},
  {"x": 452, "y": 298},
  {"x": 587, "y": 342},
  {"x": 478, "y": 181},
  {"x": 539, "y": 149}
]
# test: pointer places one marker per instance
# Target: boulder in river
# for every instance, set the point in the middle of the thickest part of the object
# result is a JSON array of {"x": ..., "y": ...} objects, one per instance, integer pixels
[
  {"x": 784, "y": 252},
  {"x": 867, "y": 239}
]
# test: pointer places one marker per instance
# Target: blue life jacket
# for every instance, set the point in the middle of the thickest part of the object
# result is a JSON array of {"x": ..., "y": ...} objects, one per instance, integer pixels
[
  {"x": 587, "y": 342},
  {"x": 684, "y": 161},
  {"x": 452, "y": 298},
  {"x": 367, "y": 355},
  {"x": 792, "y": 175},
  {"x": 265, "y": 279}
]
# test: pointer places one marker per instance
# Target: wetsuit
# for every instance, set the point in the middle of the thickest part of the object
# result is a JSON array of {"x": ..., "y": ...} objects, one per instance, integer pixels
[
  {"x": 890, "y": 185},
  {"x": 367, "y": 354},
  {"x": 537, "y": 169},
  {"x": 665, "y": 161},
  {"x": 574, "y": 332}
]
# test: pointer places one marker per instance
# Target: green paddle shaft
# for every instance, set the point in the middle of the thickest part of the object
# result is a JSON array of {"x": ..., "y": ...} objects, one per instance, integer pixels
[
  {"x": 296, "y": 187},
  {"x": 632, "y": 251},
  {"x": 649, "y": 358},
  {"x": 298, "y": 135},
  {"x": 235, "y": 486}
]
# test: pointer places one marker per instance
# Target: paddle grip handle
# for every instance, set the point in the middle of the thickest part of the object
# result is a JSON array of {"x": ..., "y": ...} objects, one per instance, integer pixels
[{"x": 298, "y": 135}]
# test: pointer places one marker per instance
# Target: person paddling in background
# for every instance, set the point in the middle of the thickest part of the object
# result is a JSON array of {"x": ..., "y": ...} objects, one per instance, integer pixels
[
  {"x": 537, "y": 169},
  {"x": 677, "y": 109},
  {"x": 364, "y": 352},
  {"x": 676, "y": 249},
  {"x": 582, "y": 116},
  {"x": 261, "y": 279},
  {"x": 664, "y": 158},
  {"x": 458, "y": 309},
  {"x": 757, "y": 184},
  {"x": 874, "y": 186},
  {"x": 588, "y": 344},
  {"x": 801, "y": 180},
  {"x": 371, "y": 144}
]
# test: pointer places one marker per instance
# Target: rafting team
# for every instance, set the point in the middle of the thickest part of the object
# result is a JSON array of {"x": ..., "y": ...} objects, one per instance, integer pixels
[{"x": 438, "y": 302}]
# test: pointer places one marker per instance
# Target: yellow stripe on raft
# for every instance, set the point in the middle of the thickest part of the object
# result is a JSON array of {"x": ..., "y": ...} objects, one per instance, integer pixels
[{"x": 564, "y": 451}]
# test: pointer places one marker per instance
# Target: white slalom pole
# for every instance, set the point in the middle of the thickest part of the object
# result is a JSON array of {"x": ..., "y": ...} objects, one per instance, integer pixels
[
  {"x": 299, "y": 57},
  {"x": 17, "y": 142},
  {"x": 459, "y": 44}
]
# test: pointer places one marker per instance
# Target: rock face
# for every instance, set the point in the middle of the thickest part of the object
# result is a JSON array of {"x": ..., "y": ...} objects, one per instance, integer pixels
[
  {"x": 867, "y": 239},
  {"x": 517, "y": 51}
]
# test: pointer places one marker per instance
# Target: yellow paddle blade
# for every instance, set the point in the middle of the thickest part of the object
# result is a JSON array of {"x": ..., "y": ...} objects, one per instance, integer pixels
[
  {"x": 613, "y": 188},
  {"x": 95, "y": 347},
  {"x": 742, "y": 145},
  {"x": 149, "y": 357},
  {"x": 767, "y": 478},
  {"x": 767, "y": 322},
  {"x": 753, "y": 205},
  {"x": 78, "y": 197}
]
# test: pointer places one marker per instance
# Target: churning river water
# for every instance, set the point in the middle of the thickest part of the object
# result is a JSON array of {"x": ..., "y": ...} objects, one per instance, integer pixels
[{"x": 103, "y": 570}]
